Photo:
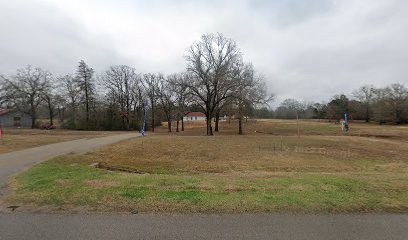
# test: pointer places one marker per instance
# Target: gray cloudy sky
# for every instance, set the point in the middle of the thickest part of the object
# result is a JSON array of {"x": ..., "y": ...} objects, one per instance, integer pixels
[{"x": 306, "y": 49}]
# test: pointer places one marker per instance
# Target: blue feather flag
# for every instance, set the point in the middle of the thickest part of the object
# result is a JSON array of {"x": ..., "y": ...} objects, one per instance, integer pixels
[
  {"x": 144, "y": 121},
  {"x": 345, "y": 118}
]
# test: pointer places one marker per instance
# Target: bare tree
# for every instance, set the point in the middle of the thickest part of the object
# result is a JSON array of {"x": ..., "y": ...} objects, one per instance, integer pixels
[
  {"x": 120, "y": 80},
  {"x": 150, "y": 83},
  {"x": 72, "y": 92},
  {"x": 138, "y": 96},
  {"x": 209, "y": 61},
  {"x": 25, "y": 89},
  {"x": 397, "y": 97},
  {"x": 165, "y": 92},
  {"x": 250, "y": 92},
  {"x": 178, "y": 83},
  {"x": 85, "y": 81},
  {"x": 60, "y": 103},
  {"x": 365, "y": 95},
  {"x": 4, "y": 92},
  {"x": 49, "y": 98}
]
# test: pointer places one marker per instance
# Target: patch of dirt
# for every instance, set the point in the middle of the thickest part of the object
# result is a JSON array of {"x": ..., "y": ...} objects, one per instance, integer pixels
[
  {"x": 115, "y": 168},
  {"x": 230, "y": 188},
  {"x": 297, "y": 188},
  {"x": 101, "y": 184},
  {"x": 63, "y": 182}
]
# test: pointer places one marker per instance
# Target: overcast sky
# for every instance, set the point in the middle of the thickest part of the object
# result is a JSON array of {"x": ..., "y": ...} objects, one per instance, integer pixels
[{"x": 306, "y": 49}]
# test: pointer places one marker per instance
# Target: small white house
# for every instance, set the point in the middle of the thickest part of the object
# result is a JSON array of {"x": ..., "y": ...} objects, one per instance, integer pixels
[{"x": 194, "y": 116}]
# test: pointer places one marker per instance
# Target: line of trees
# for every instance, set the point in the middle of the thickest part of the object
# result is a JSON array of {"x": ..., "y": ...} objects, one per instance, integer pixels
[
  {"x": 368, "y": 103},
  {"x": 216, "y": 81}
]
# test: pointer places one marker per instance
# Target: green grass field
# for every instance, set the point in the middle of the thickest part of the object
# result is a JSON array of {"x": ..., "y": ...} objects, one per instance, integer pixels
[{"x": 272, "y": 171}]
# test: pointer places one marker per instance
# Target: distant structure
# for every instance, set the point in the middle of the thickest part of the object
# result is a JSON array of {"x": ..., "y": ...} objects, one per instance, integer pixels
[
  {"x": 14, "y": 118},
  {"x": 194, "y": 116}
]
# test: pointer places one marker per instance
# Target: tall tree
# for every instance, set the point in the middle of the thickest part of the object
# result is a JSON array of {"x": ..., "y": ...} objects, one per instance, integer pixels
[
  {"x": 251, "y": 91},
  {"x": 120, "y": 80},
  {"x": 209, "y": 61},
  {"x": 293, "y": 107},
  {"x": 25, "y": 89},
  {"x": 86, "y": 83},
  {"x": 398, "y": 97},
  {"x": 165, "y": 92},
  {"x": 72, "y": 92},
  {"x": 337, "y": 107},
  {"x": 365, "y": 95},
  {"x": 178, "y": 83},
  {"x": 50, "y": 98},
  {"x": 150, "y": 83}
]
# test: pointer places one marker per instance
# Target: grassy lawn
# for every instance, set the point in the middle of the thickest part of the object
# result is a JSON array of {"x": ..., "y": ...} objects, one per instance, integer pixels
[
  {"x": 17, "y": 139},
  {"x": 320, "y": 172}
]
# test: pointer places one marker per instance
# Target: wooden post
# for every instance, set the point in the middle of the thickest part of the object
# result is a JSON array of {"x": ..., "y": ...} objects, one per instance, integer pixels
[{"x": 297, "y": 123}]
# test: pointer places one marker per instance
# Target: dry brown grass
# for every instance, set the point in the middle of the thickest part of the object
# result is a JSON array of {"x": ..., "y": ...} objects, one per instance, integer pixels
[
  {"x": 17, "y": 139},
  {"x": 289, "y": 128},
  {"x": 228, "y": 154},
  {"x": 322, "y": 171}
]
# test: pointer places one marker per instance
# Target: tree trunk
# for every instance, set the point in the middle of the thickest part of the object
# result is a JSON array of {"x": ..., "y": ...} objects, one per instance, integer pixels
[
  {"x": 240, "y": 113},
  {"x": 209, "y": 126},
  {"x": 74, "y": 113},
  {"x": 33, "y": 115},
  {"x": 367, "y": 114},
  {"x": 169, "y": 125},
  {"x": 177, "y": 128},
  {"x": 127, "y": 122},
  {"x": 51, "y": 119},
  {"x": 87, "y": 105},
  {"x": 51, "y": 112},
  {"x": 217, "y": 121},
  {"x": 182, "y": 124},
  {"x": 240, "y": 131},
  {"x": 33, "y": 118},
  {"x": 33, "y": 122}
]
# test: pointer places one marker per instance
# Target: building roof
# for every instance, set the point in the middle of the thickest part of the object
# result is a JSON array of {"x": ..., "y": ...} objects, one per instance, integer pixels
[
  {"x": 195, "y": 114},
  {"x": 5, "y": 111}
]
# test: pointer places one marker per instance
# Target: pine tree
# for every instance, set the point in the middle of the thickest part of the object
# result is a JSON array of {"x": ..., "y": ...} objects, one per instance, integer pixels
[{"x": 86, "y": 84}]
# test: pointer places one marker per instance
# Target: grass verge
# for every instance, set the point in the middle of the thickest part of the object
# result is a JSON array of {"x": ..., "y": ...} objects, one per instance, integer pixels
[{"x": 225, "y": 174}]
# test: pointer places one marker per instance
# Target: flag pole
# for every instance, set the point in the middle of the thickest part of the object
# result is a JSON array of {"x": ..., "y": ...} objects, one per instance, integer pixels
[
  {"x": 144, "y": 120},
  {"x": 297, "y": 123},
  {"x": 346, "y": 122}
]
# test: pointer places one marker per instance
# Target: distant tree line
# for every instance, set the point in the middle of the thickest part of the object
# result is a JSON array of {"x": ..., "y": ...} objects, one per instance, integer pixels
[
  {"x": 368, "y": 103},
  {"x": 216, "y": 82}
]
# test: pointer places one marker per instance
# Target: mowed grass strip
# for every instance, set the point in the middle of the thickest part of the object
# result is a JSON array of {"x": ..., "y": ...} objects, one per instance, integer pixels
[
  {"x": 225, "y": 174},
  {"x": 97, "y": 190}
]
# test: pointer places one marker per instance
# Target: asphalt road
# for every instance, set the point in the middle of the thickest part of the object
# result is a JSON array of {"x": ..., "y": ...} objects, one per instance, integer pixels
[
  {"x": 258, "y": 226},
  {"x": 20, "y": 225},
  {"x": 14, "y": 162}
]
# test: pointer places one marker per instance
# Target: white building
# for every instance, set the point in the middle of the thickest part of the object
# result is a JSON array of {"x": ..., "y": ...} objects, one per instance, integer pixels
[{"x": 194, "y": 116}]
